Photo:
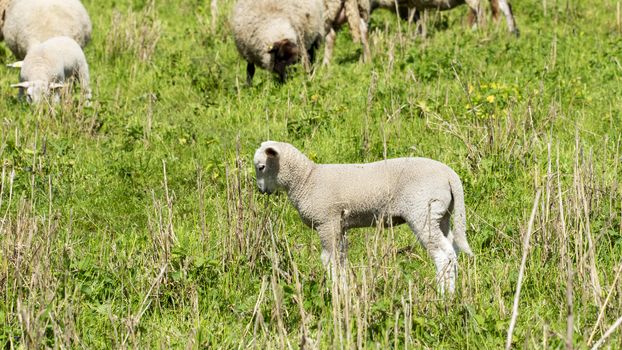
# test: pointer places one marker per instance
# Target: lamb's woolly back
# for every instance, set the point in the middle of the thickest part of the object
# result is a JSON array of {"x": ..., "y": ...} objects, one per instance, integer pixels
[
  {"x": 53, "y": 60},
  {"x": 30, "y": 22}
]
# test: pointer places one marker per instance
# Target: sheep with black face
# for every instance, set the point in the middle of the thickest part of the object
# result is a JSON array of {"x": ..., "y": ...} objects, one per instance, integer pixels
[{"x": 275, "y": 34}]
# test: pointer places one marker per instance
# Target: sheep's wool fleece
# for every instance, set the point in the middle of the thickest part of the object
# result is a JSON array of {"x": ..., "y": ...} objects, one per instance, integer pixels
[
  {"x": 30, "y": 22},
  {"x": 54, "y": 60},
  {"x": 257, "y": 24},
  {"x": 4, "y": 5}
]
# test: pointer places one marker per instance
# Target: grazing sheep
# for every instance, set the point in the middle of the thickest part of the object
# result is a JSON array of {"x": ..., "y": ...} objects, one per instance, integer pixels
[
  {"x": 4, "y": 4},
  {"x": 332, "y": 198},
  {"x": 273, "y": 33},
  {"x": 30, "y": 22},
  {"x": 356, "y": 13},
  {"x": 48, "y": 65},
  {"x": 405, "y": 6}
]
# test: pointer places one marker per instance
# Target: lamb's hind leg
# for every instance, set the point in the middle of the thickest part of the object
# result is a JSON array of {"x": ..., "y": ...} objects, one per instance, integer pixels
[{"x": 428, "y": 229}]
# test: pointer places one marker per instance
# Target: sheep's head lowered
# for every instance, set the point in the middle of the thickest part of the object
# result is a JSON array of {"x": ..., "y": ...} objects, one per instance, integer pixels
[
  {"x": 284, "y": 53},
  {"x": 267, "y": 168},
  {"x": 38, "y": 90}
]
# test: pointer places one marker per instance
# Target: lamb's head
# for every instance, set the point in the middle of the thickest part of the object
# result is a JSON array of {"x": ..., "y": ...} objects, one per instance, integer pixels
[
  {"x": 267, "y": 167},
  {"x": 38, "y": 90},
  {"x": 284, "y": 53}
]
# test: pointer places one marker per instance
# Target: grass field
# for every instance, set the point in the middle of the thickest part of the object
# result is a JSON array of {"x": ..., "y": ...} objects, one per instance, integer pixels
[{"x": 136, "y": 222}]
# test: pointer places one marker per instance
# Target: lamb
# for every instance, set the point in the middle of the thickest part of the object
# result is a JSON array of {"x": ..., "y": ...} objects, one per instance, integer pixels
[
  {"x": 274, "y": 34},
  {"x": 356, "y": 13},
  {"x": 332, "y": 198},
  {"x": 404, "y": 7},
  {"x": 49, "y": 65},
  {"x": 30, "y": 22}
]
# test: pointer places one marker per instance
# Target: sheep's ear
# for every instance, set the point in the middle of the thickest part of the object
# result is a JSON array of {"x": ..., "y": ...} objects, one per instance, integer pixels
[
  {"x": 271, "y": 152},
  {"x": 17, "y": 64},
  {"x": 56, "y": 85},
  {"x": 23, "y": 84}
]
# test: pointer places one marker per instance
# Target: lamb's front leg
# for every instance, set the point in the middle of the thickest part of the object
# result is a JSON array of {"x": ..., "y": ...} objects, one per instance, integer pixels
[{"x": 334, "y": 244}]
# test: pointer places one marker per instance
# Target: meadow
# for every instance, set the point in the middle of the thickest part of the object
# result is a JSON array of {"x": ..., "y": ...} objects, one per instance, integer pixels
[{"x": 136, "y": 222}]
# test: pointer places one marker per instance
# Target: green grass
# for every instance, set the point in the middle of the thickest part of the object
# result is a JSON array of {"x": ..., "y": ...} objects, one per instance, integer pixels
[{"x": 136, "y": 222}]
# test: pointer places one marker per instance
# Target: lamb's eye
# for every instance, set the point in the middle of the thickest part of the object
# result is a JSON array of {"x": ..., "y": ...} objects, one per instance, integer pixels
[{"x": 261, "y": 167}]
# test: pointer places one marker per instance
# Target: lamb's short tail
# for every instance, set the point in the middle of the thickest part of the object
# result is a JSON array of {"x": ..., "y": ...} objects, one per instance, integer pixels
[{"x": 459, "y": 214}]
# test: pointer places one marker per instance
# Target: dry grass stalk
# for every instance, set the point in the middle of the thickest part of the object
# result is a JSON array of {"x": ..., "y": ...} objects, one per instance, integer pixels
[
  {"x": 607, "y": 334},
  {"x": 134, "y": 320},
  {"x": 566, "y": 262},
  {"x": 161, "y": 225},
  {"x": 601, "y": 313},
  {"x": 521, "y": 272}
]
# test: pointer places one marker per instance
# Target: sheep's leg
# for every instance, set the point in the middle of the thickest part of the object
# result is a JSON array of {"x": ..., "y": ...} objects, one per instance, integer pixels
[
  {"x": 494, "y": 9},
  {"x": 475, "y": 9},
  {"x": 333, "y": 242},
  {"x": 365, "y": 41},
  {"x": 509, "y": 18},
  {"x": 250, "y": 73},
  {"x": 83, "y": 77},
  {"x": 329, "y": 46},
  {"x": 429, "y": 229},
  {"x": 311, "y": 51}
]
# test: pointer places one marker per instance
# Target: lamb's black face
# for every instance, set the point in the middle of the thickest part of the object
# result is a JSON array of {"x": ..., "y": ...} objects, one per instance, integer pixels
[{"x": 266, "y": 169}]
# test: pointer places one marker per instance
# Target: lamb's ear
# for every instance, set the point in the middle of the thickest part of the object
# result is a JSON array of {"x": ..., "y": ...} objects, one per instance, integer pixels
[
  {"x": 23, "y": 84},
  {"x": 271, "y": 152},
  {"x": 17, "y": 64},
  {"x": 56, "y": 85}
]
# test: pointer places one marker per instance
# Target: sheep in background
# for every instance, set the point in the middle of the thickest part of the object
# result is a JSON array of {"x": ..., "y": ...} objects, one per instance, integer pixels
[
  {"x": 4, "y": 5},
  {"x": 274, "y": 34},
  {"x": 356, "y": 13},
  {"x": 405, "y": 6},
  {"x": 332, "y": 198},
  {"x": 49, "y": 65},
  {"x": 30, "y": 22}
]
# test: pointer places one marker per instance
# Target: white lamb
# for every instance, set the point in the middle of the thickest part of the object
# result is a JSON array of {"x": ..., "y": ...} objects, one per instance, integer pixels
[
  {"x": 30, "y": 22},
  {"x": 49, "y": 65},
  {"x": 332, "y": 198},
  {"x": 356, "y": 13},
  {"x": 274, "y": 34}
]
